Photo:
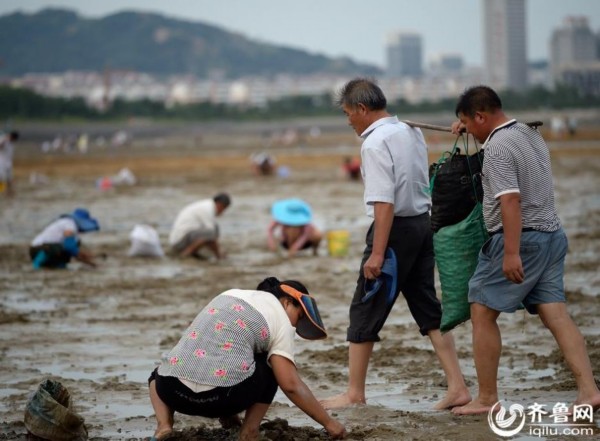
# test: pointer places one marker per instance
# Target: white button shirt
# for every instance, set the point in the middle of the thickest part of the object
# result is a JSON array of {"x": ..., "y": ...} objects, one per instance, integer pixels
[{"x": 395, "y": 167}]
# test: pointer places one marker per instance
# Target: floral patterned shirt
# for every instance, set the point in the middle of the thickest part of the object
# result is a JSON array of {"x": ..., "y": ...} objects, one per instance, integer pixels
[{"x": 218, "y": 348}]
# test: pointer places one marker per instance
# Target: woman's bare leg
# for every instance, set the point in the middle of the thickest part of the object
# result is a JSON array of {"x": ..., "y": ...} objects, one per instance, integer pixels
[
  {"x": 162, "y": 412},
  {"x": 252, "y": 419}
]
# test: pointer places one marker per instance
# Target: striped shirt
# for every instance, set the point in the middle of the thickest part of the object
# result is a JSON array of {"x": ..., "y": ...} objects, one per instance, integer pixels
[
  {"x": 517, "y": 160},
  {"x": 395, "y": 167}
]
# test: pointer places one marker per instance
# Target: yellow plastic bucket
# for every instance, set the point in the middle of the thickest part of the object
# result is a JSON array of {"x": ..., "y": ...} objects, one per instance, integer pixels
[{"x": 338, "y": 242}]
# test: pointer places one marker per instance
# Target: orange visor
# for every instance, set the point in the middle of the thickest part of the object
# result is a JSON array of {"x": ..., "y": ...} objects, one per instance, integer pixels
[{"x": 310, "y": 326}]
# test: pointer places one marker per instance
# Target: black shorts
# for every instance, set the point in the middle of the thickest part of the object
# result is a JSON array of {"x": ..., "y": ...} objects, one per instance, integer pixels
[
  {"x": 220, "y": 401},
  {"x": 56, "y": 255},
  {"x": 306, "y": 245},
  {"x": 411, "y": 238}
]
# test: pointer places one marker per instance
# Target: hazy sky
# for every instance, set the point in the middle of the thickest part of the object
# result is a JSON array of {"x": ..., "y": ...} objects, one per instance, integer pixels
[{"x": 353, "y": 28}]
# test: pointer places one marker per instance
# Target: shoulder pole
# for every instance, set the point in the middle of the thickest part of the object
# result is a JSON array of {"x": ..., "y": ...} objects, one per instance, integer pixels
[{"x": 533, "y": 124}]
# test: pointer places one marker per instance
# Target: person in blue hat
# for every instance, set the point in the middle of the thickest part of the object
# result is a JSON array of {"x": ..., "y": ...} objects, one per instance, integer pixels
[
  {"x": 292, "y": 217},
  {"x": 59, "y": 242}
]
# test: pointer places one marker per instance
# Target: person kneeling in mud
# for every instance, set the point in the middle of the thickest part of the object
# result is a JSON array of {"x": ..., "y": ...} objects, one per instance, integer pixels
[{"x": 235, "y": 354}]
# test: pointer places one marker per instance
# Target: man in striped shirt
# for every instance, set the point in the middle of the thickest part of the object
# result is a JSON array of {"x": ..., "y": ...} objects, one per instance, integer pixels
[{"x": 523, "y": 261}]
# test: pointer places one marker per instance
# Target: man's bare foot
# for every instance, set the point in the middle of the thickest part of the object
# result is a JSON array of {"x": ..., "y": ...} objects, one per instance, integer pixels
[
  {"x": 475, "y": 407},
  {"x": 230, "y": 422},
  {"x": 452, "y": 400},
  {"x": 340, "y": 401},
  {"x": 593, "y": 401}
]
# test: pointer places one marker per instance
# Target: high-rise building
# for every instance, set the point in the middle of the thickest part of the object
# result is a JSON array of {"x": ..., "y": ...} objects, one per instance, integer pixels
[
  {"x": 505, "y": 43},
  {"x": 574, "y": 56},
  {"x": 404, "y": 55}
]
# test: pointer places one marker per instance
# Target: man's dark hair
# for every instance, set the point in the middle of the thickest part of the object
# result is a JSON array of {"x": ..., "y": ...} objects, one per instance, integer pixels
[
  {"x": 14, "y": 135},
  {"x": 478, "y": 99},
  {"x": 223, "y": 199},
  {"x": 361, "y": 91}
]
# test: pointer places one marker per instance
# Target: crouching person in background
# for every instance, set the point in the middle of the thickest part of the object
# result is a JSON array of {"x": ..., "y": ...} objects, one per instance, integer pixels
[{"x": 59, "y": 242}]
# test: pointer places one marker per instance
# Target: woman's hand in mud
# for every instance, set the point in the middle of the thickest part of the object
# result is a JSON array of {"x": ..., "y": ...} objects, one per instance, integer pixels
[{"x": 336, "y": 430}]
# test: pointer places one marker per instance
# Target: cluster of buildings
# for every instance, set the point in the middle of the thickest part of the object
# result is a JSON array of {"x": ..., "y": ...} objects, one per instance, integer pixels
[
  {"x": 574, "y": 57},
  {"x": 574, "y": 60}
]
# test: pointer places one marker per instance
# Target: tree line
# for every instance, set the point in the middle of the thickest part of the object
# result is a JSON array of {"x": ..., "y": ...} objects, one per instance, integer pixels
[{"x": 24, "y": 104}]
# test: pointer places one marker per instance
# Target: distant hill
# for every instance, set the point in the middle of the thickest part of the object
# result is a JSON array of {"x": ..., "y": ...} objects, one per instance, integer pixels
[{"x": 57, "y": 40}]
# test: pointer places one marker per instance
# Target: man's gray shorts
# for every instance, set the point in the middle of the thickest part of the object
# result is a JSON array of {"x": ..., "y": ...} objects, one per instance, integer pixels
[
  {"x": 543, "y": 258},
  {"x": 193, "y": 236}
]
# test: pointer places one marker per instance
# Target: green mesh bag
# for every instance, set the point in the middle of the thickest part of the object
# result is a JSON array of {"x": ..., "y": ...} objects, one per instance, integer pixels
[{"x": 456, "y": 250}]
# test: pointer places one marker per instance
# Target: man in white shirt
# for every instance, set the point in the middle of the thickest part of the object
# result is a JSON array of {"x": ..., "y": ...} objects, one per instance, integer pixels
[
  {"x": 196, "y": 227},
  {"x": 395, "y": 174}
]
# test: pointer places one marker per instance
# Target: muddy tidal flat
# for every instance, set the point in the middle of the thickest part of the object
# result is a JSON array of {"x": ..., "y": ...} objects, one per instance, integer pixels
[{"x": 101, "y": 331}]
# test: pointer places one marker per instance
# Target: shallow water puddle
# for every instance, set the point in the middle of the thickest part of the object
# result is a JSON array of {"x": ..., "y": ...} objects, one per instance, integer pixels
[
  {"x": 22, "y": 302},
  {"x": 121, "y": 411},
  {"x": 162, "y": 270}
]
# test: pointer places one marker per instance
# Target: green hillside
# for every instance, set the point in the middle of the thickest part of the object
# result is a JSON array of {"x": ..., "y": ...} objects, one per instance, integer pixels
[{"x": 57, "y": 40}]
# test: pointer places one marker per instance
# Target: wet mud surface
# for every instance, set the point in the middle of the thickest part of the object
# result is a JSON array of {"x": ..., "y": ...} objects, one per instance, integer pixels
[{"x": 101, "y": 331}]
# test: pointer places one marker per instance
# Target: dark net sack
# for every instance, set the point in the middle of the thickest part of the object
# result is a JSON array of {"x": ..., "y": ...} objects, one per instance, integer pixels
[
  {"x": 459, "y": 230},
  {"x": 49, "y": 414},
  {"x": 455, "y": 187}
]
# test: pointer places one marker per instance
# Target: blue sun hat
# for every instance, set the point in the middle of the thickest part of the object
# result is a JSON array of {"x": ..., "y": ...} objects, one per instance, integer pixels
[
  {"x": 293, "y": 212},
  {"x": 84, "y": 221}
]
